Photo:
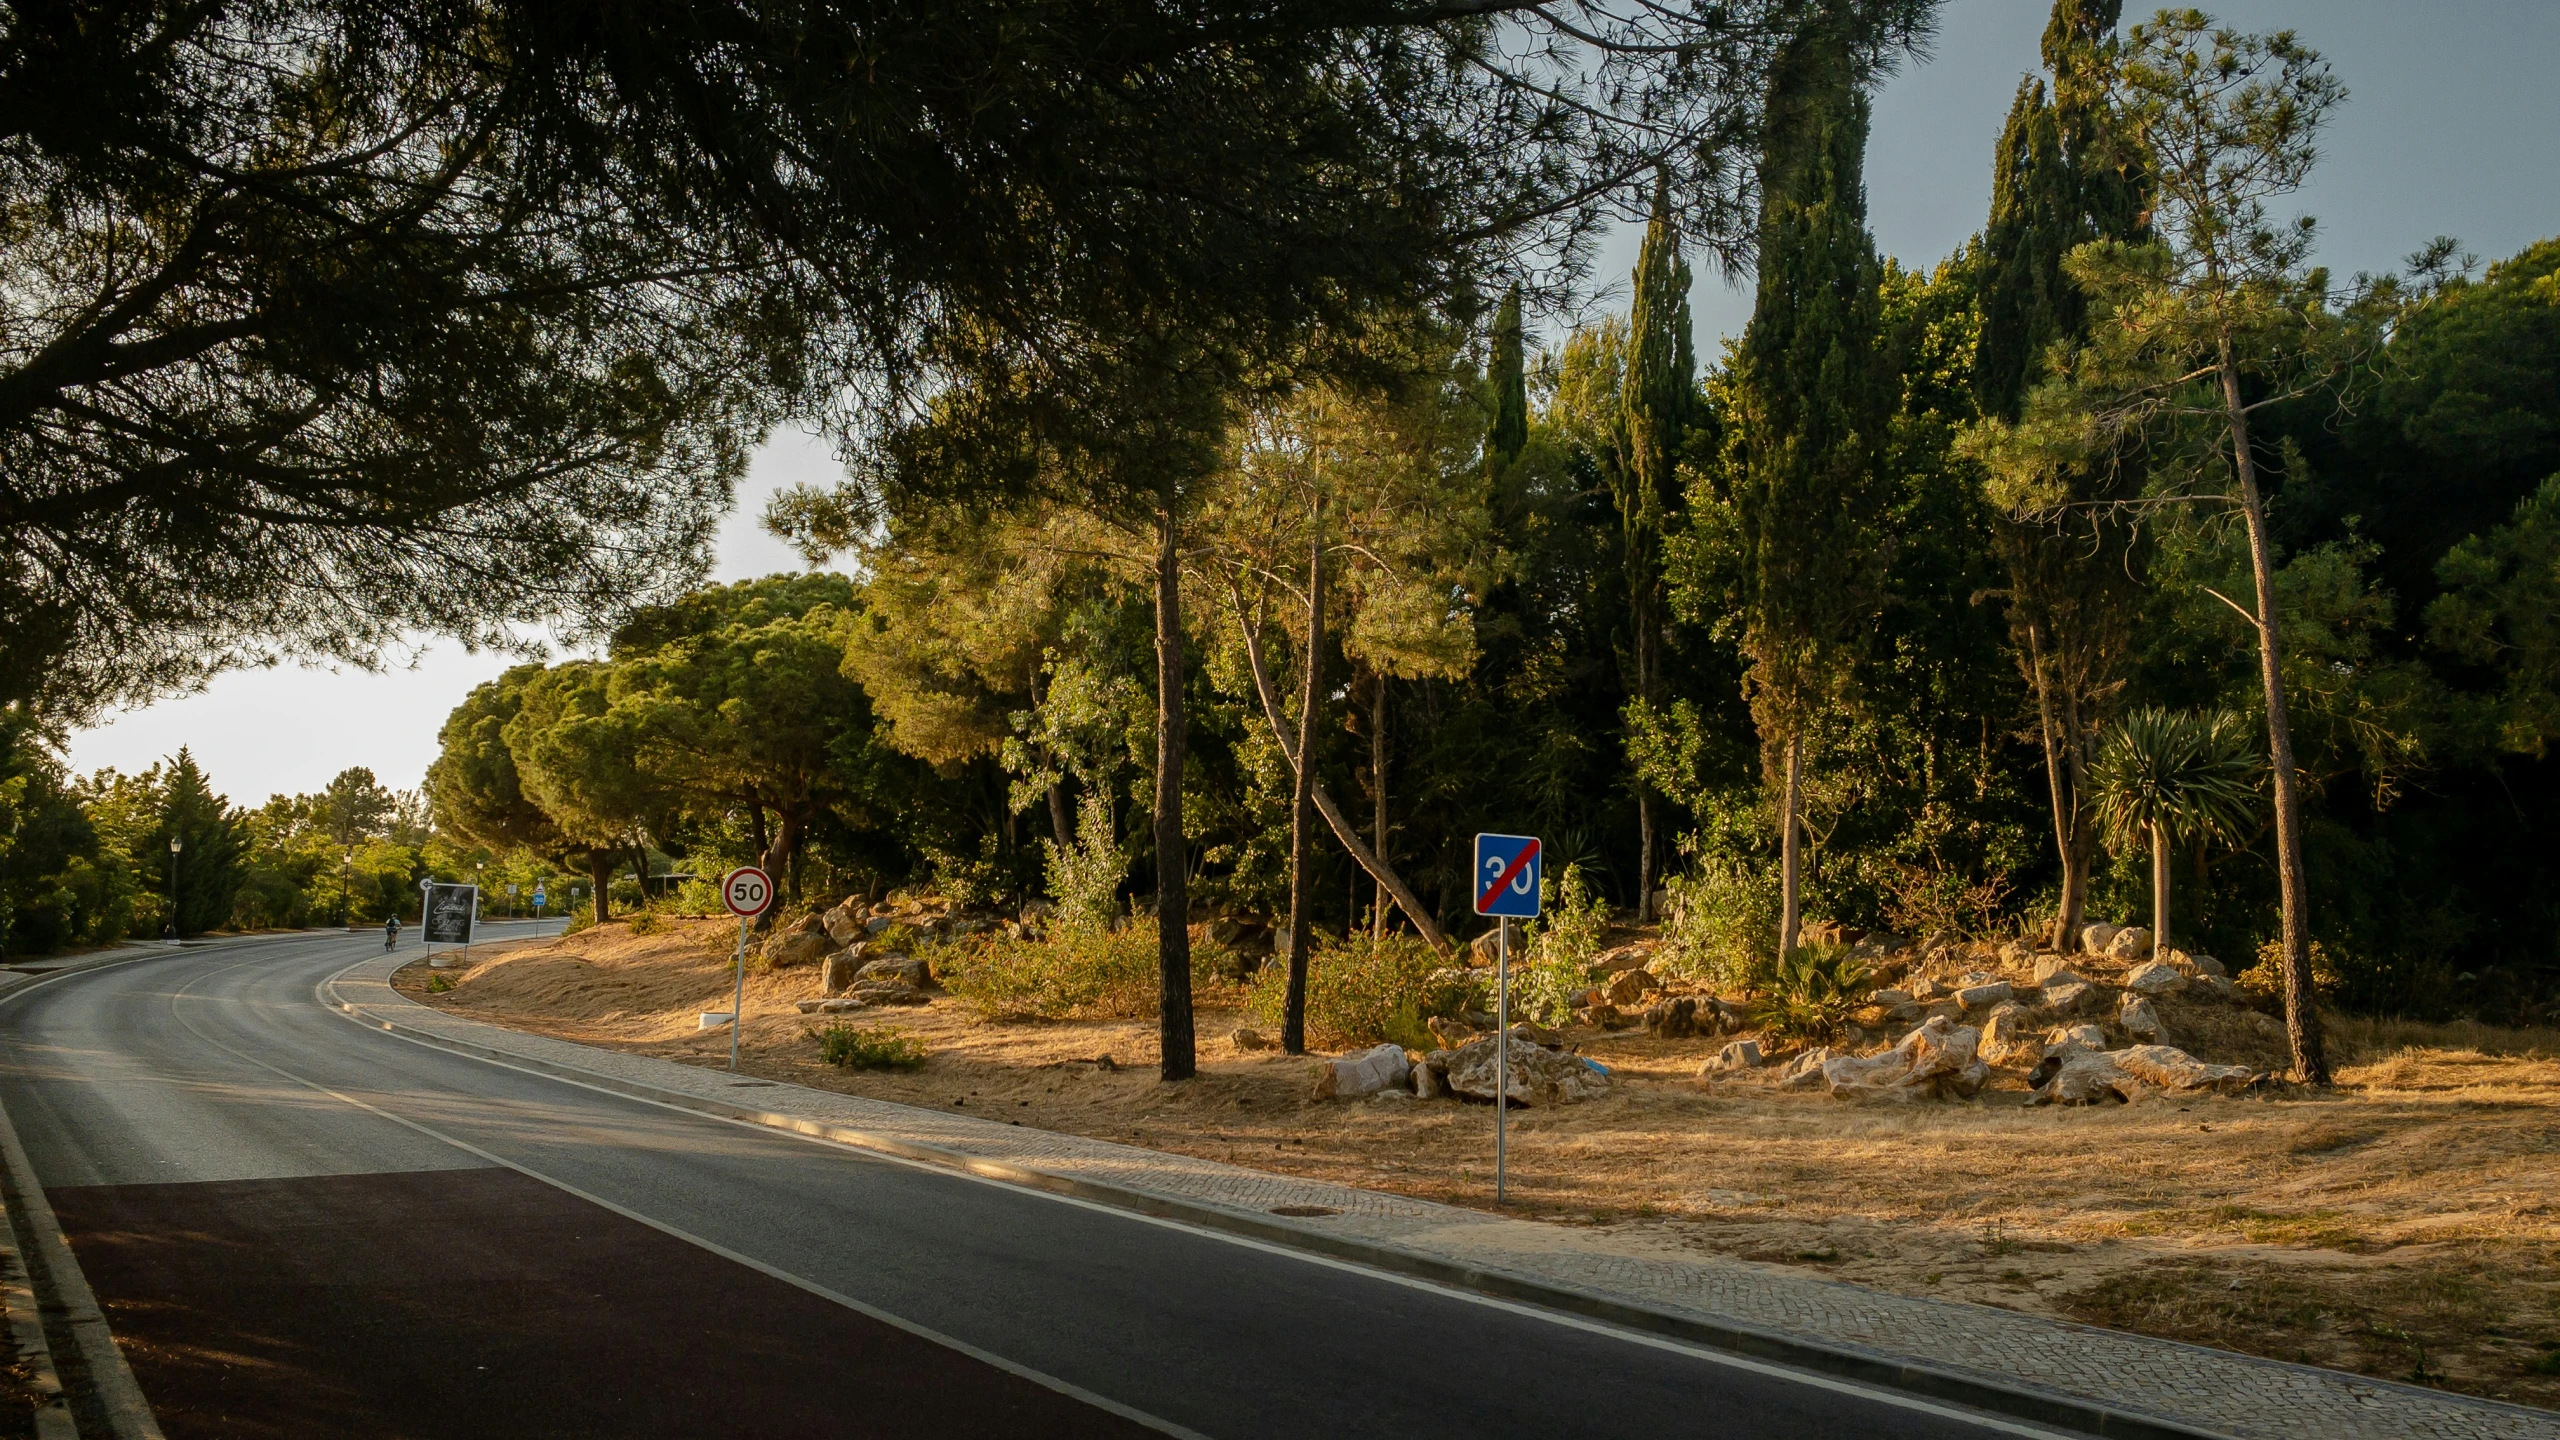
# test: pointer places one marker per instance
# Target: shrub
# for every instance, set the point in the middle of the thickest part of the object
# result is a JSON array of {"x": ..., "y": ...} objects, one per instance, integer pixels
[
  {"x": 1720, "y": 924},
  {"x": 1563, "y": 943},
  {"x": 1363, "y": 990},
  {"x": 878, "y": 1048},
  {"x": 439, "y": 984},
  {"x": 1074, "y": 974},
  {"x": 1084, "y": 878},
  {"x": 1810, "y": 993},
  {"x": 646, "y": 922},
  {"x": 2265, "y": 980}
]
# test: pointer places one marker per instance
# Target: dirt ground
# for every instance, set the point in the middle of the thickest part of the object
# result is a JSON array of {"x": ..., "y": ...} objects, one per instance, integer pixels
[{"x": 2401, "y": 1224}]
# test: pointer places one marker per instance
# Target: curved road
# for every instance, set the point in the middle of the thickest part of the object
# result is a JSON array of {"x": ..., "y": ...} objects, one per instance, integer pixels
[{"x": 301, "y": 1227}]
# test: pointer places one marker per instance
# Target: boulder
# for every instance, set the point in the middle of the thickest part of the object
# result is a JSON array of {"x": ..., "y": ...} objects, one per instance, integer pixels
[
  {"x": 2136, "y": 1015},
  {"x": 2154, "y": 977},
  {"x": 1936, "y": 1061},
  {"x": 2173, "y": 1069},
  {"x": 837, "y": 976},
  {"x": 2069, "y": 997},
  {"x": 841, "y": 1005},
  {"x": 2075, "y": 1073},
  {"x": 1533, "y": 1074},
  {"x": 2084, "y": 1034},
  {"x": 843, "y": 924},
  {"x": 1909, "y": 1012},
  {"x": 1363, "y": 1072},
  {"x": 2206, "y": 967},
  {"x": 1805, "y": 1071},
  {"x": 2009, "y": 1039},
  {"x": 899, "y": 969},
  {"x": 2012, "y": 952},
  {"x": 1983, "y": 996},
  {"x": 1927, "y": 988},
  {"x": 2130, "y": 943},
  {"x": 2095, "y": 938},
  {"x": 1629, "y": 986},
  {"x": 1429, "y": 1076},
  {"x": 1245, "y": 1037},
  {"x": 1624, "y": 958},
  {"x": 887, "y": 992},
  {"x": 1889, "y": 998},
  {"x": 1482, "y": 951},
  {"x": 2049, "y": 968},
  {"x": 1739, "y": 1055},
  {"x": 805, "y": 943},
  {"x": 1673, "y": 1019},
  {"x": 2213, "y": 987},
  {"x": 1877, "y": 944}
]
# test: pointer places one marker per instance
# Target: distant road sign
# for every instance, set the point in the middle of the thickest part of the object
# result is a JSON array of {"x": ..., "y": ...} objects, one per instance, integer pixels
[
  {"x": 1507, "y": 872},
  {"x": 450, "y": 910},
  {"x": 746, "y": 891},
  {"x": 537, "y": 894}
]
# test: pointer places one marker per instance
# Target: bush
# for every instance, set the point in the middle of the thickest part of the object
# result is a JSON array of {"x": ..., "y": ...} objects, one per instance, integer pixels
[
  {"x": 2265, "y": 980},
  {"x": 879, "y": 1048},
  {"x": 1075, "y": 974},
  {"x": 1722, "y": 920},
  {"x": 1811, "y": 993},
  {"x": 646, "y": 922},
  {"x": 1363, "y": 990},
  {"x": 1084, "y": 878},
  {"x": 1563, "y": 943}
]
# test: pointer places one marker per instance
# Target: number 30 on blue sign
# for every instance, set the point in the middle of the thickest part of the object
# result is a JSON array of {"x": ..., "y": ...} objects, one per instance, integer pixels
[{"x": 1507, "y": 869}]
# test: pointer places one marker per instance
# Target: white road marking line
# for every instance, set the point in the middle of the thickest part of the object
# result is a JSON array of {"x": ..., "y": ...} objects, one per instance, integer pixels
[
  {"x": 1978, "y": 1418},
  {"x": 1051, "y": 1382}
]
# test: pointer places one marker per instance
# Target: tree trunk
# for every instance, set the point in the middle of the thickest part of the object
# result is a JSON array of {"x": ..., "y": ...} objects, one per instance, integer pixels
[
  {"x": 600, "y": 875},
  {"x": 1058, "y": 825},
  {"x": 762, "y": 836},
  {"x": 2301, "y": 1001},
  {"x": 2159, "y": 888},
  {"x": 2066, "y": 922},
  {"x": 1302, "y": 806},
  {"x": 1378, "y": 798},
  {"x": 1332, "y": 813},
  {"x": 1646, "y": 664},
  {"x": 1790, "y": 854},
  {"x": 2080, "y": 854},
  {"x": 1178, "y": 1060}
]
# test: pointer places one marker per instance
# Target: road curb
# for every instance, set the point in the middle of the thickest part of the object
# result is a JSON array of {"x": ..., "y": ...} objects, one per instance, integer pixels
[
  {"x": 26, "y": 1333},
  {"x": 1842, "y": 1362}
]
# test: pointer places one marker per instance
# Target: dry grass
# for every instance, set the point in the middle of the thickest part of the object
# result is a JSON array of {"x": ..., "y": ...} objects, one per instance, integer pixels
[{"x": 2401, "y": 1224}]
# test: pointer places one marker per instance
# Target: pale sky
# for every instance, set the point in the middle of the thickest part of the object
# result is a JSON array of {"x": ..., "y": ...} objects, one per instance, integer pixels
[{"x": 2447, "y": 130}]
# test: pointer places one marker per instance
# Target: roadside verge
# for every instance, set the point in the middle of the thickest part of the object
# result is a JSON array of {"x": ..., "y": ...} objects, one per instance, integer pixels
[{"x": 2067, "y": 1376}]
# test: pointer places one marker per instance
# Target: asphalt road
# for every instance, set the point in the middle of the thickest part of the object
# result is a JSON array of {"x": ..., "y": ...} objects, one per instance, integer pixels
[{"x": 302, "y": 1227}]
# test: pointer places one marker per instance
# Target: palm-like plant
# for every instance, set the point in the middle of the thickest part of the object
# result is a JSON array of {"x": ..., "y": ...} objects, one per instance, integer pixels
[{"x": 2168, "y": 775}]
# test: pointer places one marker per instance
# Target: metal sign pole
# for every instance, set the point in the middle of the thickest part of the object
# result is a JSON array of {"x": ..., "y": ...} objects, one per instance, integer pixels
[
  {"x": 738, "y": 1004},
  {"x": 1501, "y": 1053}
]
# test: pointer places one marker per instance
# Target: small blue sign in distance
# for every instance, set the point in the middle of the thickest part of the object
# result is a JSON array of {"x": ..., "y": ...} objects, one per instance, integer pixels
[{"x": 1507, "y": 871}]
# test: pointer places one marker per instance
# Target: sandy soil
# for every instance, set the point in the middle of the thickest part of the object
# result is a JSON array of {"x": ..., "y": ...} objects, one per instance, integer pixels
[{"x": 2402, "y": 1224}]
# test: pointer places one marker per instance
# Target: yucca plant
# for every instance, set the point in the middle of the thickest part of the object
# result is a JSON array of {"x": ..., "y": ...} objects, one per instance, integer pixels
[
  {"x": 1812, "y": 990},
  {"x": 2170, "y": 775}
]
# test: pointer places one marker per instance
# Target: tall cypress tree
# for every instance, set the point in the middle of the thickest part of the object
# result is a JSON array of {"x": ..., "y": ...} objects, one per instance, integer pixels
[
  {"x": 1814, "y": 391},
  {"x": 2066, "y": 173},
  {"x": 1508, "y": 369},
  {"x": 1659, "y": 397}
]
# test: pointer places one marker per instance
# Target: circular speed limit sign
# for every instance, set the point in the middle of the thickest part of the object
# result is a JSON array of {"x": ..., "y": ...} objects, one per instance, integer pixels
[{"x": 746, "y": 891}]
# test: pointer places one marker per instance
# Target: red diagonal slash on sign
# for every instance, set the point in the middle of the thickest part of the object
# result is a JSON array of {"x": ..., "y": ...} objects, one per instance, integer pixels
[{"x": 1503, "y": 881}]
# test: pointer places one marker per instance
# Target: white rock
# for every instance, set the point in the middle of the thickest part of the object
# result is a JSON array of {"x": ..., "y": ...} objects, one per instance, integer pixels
[
  {"x": 1363, "y": 1072},
  {"x": 2138, "y": 1018},
  {"x": 2130, "y": 943},
  {"x": 1738, "y": 1055},
  {"x": 2052, "y": 967},
  {"x": 2094, "y": 938},
  {"x": 843, "y": 924},
  {"x": 1976, "y": 997},
  {"x": 713, "y": 1019},
  {"x": 2153, "y": 977},
  {"x": 1535, "y": 1075},
  {"x": 2173, "y": 1069},
  {"x": 1935, "y": 1061},
  {"x": 2089, "y": 1036},
  {"x": 1889, "y": 998},
  {"x": 2206, "y": 966},
  {"x": 2214, "y": 987},
  {"x": 2079, "y": 1074},
  {"x": 1805, "y": 1071},
  {"x": 2007, "y": 1038},
  {"x": 1427, "y": 1081},
  {"x": 2067, "y": 997}
]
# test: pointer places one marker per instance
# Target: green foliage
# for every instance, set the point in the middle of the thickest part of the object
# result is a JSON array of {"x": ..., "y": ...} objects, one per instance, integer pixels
[
  {"x": 876, "y": 1047},
  {"x": 1811, "y": 992},
  {"x": 2501, "y": 612},
  {"x": 1718, "y": 928},
  {"x": 1084, "y": 878},
  {"x": 439, "y": 984},
  {"x": 1102, "y": 974},
  {"x": 2192, "y": 777},
  {"x": 1363, "y": 990}
]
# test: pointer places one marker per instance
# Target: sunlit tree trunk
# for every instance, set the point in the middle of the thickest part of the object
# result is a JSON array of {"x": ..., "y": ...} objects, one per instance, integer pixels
[
  {"x": 2159, "y": 887},
  {"x": 1302, "y": 803},
  {"x": 1178, "y": 1060},
  {"x": 1790, "y": 848}
]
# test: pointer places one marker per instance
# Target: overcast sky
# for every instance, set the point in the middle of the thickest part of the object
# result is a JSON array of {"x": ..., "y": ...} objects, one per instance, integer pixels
[{"x": 2448, "y": 130}]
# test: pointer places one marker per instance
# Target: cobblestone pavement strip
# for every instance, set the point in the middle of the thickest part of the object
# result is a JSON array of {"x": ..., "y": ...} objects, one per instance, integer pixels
[{"x": 2185, "y": 1387}]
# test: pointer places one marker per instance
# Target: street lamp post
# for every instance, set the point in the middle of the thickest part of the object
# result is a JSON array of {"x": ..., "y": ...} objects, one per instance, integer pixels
[{"x": 175, "y": 845}]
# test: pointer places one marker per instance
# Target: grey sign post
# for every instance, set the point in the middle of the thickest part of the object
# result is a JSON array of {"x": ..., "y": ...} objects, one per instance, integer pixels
[
  {"x": 746, "y": 891},
  {"x": 1506, "y": 886}
]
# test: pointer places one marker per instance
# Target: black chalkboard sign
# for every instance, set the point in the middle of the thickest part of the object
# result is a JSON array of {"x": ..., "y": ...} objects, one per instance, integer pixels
[{"x": 450, "y": 909}]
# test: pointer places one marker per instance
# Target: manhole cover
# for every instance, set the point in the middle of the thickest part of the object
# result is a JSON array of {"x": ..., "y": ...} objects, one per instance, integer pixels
[{"x": 1303, "y": 1211}]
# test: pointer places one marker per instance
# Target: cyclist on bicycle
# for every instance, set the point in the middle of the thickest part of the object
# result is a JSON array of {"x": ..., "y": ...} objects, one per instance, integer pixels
[{"x": 390, "y": 932}]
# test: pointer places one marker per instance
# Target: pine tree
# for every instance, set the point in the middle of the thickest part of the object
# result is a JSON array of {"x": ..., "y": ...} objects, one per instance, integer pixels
[
  {"x": 206, "y": 868},
  {"x": 1659, "y": 398},
  {"x": 1508, "y": 369},
  {"x": 1814, "y": 392}
]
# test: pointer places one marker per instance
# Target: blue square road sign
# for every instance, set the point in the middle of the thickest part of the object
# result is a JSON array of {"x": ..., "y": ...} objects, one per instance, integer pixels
[{"x": 1507, "y": 871}]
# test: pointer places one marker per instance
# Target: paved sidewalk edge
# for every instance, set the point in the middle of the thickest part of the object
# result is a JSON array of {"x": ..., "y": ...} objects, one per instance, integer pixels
[
  {"x": 2041, "y": 1406},
  {"x": 55, "y": 1272}
]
